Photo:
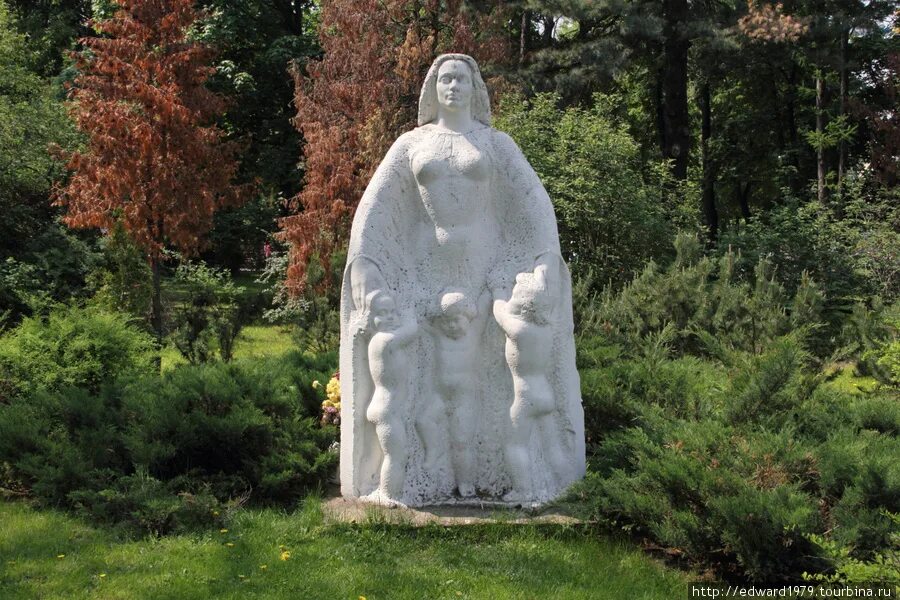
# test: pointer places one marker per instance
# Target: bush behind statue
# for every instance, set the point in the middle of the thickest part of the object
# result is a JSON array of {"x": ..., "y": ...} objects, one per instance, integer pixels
[{"x": 609, "y": 203}]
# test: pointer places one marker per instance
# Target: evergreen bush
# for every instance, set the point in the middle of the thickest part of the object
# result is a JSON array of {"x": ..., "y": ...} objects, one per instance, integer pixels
[
  {"x": 709, "y": 308},
  {"x": 71, "y": 347},
  {"x": 160, "y": 454}
]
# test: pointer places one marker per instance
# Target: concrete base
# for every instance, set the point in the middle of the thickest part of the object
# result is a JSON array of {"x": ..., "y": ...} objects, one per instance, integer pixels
[{"x": 463, "y": 513}]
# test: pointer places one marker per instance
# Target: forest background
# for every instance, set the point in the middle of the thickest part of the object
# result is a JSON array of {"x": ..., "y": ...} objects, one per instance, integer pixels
[{"x": 177, "y": 181}]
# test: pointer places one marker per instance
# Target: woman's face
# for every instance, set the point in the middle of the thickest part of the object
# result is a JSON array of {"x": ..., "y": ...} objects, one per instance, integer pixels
[{"x": 454, "y": 85}]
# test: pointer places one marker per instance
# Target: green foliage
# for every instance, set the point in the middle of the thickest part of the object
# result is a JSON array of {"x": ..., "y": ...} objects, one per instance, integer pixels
[
  {"x": 274, "y": 446},
  {"x": 705, "y": 304},
  {"x": 144, "y": 504},
  {"x": 871, "y": 333},
  {"x": 711, "y": 433},
  {"x": 81, "y": 347},
  {"x": 608, "y": 203},
  {"x": 123, "y": 279},
  {"x": 314, "y": 315},
  {"x": 209, "y": 314},
  {"x": 714, "y": 495},
  {"x": 162, "y": 454},
  {"x": 41, "y": 262},
  {"x": 883, "y": 568},
  {"x": 850, "y": 257}
]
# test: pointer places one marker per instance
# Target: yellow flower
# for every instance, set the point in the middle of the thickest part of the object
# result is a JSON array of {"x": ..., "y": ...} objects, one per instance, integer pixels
[
  {"x": 102, "y": 575},
  {"x": 285, "y": 554},
  {"x": 60, "y": 556},
  {"x": 362, "y": 598},
  {"x": 333, "y": 390},
  {"x": 316, "y": 385},
  {"x": 229, "y": 544},
  {"x": 223, "y": 531},
  {"x": 242, "y": 576},
  {"x": 263, "y": 567},
  {"x": 215, "y": 513}
]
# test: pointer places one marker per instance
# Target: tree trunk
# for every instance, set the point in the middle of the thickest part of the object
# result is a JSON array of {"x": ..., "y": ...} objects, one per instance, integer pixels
[
  {"x": 156, "y": 307},
  {"x": 523, "y": 37},
  {"x": 791, "y": 115},
  {"x": 677, "y": 135},
  {"x": 842, "y": 149},
  {"x": 777, "y": 113},
  {"x": 710, "y": 214},
  {"x": 820, "y": 131},
  {"x": 743, "y": 198}
]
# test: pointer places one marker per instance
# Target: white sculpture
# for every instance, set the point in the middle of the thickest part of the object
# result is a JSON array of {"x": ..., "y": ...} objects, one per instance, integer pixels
[
  {"x": 388, "y": 356},
  {"x": 477, "y": 407}
]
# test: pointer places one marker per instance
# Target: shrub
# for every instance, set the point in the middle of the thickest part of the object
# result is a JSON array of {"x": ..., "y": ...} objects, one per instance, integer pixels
[
  {"x": 736, "y": 461},
  {"x": 209, "y": 315},
  {"x": 710, "y": 493},
  {"x": 709, "y": 308},
  {"x": 123, "y": 282},
  {"x": 883, "y": 568},
  {"x": 160, "y": 454},
  {"x": 872, "y": 334},
  {"x": 236, "y": 428},
  {"x": 52, "y": 266},
  {"x": 71, "y": 347},
  {"x": 609, "y": 203}
]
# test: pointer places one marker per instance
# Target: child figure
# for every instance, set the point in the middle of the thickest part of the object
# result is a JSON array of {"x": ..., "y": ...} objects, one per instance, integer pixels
[
  {"x": 456, "y": 333},
  {"x": 525, "y": 319},
  {"x": 388, "y": 363}
]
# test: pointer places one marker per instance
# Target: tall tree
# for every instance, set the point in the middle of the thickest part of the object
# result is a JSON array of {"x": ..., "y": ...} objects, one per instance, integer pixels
[
  {"x": 355, "y": 101},
  {"x": 155, "y": 161}
]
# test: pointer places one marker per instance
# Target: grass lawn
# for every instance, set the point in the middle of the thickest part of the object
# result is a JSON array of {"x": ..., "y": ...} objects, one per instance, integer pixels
[
  {"x": 270, "y": 554},
  {"x": 846, "y": 380},
  {"x": 254, "y": 341}
]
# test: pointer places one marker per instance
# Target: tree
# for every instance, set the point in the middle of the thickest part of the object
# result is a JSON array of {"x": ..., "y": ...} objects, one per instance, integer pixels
[
  {"x": 155, "y": 161},
  {"x": 51, "y": 27},
  {"x": 40, "y": 261},
  {"x": 355, "y": 101}
]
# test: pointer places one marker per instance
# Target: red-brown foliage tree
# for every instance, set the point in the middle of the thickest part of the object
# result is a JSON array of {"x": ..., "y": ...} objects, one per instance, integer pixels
[
  {"x": 155, "y": 161},
  {"x": 354, "y": 102}
]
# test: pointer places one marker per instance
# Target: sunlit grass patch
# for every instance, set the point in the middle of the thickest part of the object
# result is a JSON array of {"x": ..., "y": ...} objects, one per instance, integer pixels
[{"x": 299, "y": 555}]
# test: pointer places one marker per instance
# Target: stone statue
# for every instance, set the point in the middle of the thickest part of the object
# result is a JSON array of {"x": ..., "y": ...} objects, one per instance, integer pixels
[{"x": 452, "y": 218}]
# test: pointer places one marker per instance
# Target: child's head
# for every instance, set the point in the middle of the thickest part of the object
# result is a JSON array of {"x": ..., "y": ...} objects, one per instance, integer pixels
[
  {"x": 383, "y": 311},
  {"x": 456, "y": 312},
  {"x": 530, "y": 300}
]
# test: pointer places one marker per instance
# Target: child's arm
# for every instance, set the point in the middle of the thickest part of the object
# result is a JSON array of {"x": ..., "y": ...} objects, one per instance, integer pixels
[{"x": 501, "y": 314}]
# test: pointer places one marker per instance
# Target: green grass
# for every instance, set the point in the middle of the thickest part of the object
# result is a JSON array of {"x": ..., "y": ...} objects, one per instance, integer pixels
[
  {"x": 846, "y": 380},
  {"x": 254, "y": 341},
  {"x": 47, "y": 554}
]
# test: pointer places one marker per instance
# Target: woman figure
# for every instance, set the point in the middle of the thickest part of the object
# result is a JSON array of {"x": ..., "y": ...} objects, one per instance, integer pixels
[{"x": 453, "y": 204}]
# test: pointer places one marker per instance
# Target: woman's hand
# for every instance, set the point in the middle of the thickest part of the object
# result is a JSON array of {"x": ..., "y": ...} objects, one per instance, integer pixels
[
  {"x": 364, "y": 278},
  {"x": 546, "y": 271}
]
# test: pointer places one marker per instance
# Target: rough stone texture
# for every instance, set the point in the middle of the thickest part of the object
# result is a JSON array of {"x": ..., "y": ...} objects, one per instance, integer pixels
[
  {"x": 454, "y": 237},
  {"x": 344, "y": 510}
]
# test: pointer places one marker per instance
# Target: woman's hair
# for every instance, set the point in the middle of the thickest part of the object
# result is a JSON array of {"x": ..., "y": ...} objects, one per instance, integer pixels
[{"x": 428, "y": 100}]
